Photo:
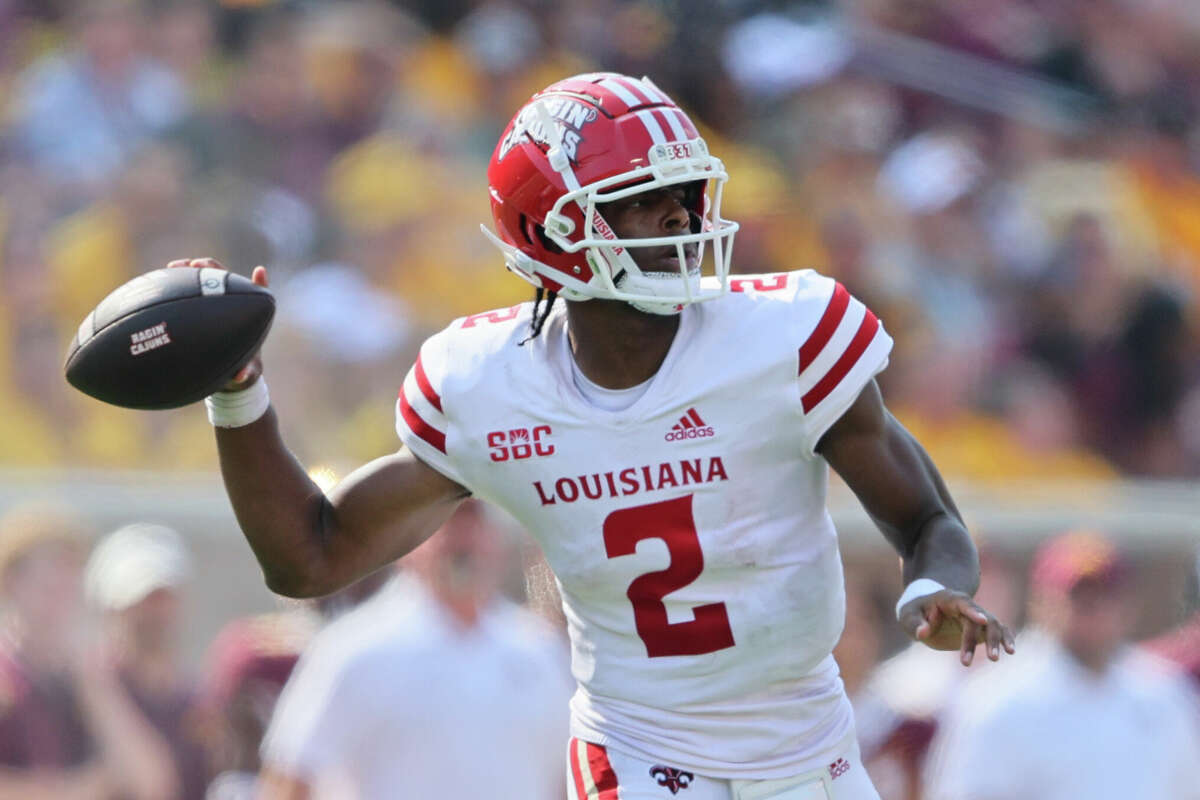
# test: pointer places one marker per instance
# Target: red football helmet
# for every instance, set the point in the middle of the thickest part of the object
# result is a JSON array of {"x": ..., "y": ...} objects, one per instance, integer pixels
[{"x": 589, "y": 140}]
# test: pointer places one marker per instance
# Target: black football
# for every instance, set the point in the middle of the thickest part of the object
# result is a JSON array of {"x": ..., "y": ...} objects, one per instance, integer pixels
[{"x": 169, "y": 337}]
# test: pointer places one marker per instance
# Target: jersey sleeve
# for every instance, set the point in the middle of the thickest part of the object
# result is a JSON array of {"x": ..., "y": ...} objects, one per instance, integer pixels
[
  {"x": 843, "y": 346},
  {"x": 422, "y": 421}
]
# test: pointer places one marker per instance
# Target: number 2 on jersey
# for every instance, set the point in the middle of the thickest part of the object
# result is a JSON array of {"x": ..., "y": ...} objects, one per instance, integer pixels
[{"x": 671, "y": 521}]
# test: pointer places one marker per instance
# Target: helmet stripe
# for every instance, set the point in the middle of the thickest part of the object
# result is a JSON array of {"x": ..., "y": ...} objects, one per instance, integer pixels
[
  {"x": 653, "y": 92},
  {"x": 619, "y": 89},
  {"x": 637, "y": 88},
  {"x": 676, "y": 126},
  {"x": 656, "y": 131}
]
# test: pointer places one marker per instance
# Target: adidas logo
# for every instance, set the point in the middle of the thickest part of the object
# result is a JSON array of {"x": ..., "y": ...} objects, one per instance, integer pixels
[{"x": 690, "y": 426}]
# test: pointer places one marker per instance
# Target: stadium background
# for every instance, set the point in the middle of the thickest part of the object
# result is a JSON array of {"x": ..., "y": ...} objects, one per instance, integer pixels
[{"x": 1013, "y": 185}]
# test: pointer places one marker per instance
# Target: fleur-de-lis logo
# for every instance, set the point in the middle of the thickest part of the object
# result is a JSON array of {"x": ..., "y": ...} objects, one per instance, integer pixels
[{"x": 673, "y": 779}]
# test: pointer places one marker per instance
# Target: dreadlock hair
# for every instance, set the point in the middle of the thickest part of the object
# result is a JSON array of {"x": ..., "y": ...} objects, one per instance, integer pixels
[{"x": 540, "y": 313}]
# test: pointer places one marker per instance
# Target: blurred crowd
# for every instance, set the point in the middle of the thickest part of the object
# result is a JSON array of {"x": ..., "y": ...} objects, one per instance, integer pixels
[
  {"x": 98, "y": 701},
  {"x": 1012, "y": 185},
  {"x": 429, "y": 680}
]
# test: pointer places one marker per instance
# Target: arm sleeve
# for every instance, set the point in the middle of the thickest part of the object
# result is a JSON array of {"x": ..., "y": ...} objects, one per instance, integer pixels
[
  {"x": 317, "y": 718},
  {"x": 422, "y": 419},
  {"x": 842, "y": 347}
]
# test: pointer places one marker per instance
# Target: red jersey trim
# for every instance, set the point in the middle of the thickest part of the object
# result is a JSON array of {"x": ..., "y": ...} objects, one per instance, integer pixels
[
  {"x": 826, "y": 327},
  {"x": 858, "y": 345},
  {"x": 576, "y": 771},
  {"x": 602, "y": 772},
  {"x": 425, "y": 386},
  {"x": 419, "y": 426}
]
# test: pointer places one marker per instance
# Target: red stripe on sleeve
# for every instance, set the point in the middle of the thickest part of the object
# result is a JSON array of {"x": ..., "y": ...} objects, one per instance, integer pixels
[
  {"x": 825, "y": 328},
  {"x": 425, "y": 386},
  {"x": 866, "y": 332},
  {"x": 419, "y": 426},
  {"x": 576, "y": 772},
  {"x": 602, "y": 772}
]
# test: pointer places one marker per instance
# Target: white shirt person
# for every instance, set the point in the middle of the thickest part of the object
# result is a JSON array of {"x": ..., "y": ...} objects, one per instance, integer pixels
[{"x": 434, "y": 687}]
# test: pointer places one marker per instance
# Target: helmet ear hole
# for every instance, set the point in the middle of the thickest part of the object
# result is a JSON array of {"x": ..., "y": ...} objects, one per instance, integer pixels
[
  {"x": 530, "y": 229},
  {"x": 525, "y": 226},
  {"x": 540, "y": 231}
]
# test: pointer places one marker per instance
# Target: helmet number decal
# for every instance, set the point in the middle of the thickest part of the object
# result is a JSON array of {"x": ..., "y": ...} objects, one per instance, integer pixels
[{"x": 677, "y": 151}]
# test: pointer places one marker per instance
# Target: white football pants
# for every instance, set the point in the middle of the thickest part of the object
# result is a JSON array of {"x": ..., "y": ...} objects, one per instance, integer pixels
[{"x": 596, "y": 773}]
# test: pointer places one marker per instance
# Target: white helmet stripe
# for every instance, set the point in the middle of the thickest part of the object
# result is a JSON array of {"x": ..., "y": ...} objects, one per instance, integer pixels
[
  {"x": 621, "y": 90},
  {"x": 676, "y": 126},
  {"x": 637, "y": 87},
  {"x": 656, "y": 131},
  {"x": 653, "y": 92}
]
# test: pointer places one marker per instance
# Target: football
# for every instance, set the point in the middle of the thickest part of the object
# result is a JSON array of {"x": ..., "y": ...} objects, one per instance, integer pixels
[{"x": 169, "y": 337}]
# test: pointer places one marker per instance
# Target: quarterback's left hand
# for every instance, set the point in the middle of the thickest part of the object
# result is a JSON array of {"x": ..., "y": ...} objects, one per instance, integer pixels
[{"x": 951, "y": 620}]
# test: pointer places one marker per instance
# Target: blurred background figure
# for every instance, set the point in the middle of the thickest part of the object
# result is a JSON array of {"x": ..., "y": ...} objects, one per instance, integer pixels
[
  {"x": 246, "y": 668},
  {"x": 1181, "y": 645},
  {"x": 436, "y": 687},
  {"x": 899, "y": 701},
  {"x": 135, "y": 579},
  {"x": 68, "y": 729},
  {"x": 1081, "y": 715},
  {"x": 83, "y": 111}
]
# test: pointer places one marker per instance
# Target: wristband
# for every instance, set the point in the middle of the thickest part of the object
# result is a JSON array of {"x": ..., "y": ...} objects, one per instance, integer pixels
[
  {"x": 240, "y": 408},
  {"x": 921, "y": 587}
]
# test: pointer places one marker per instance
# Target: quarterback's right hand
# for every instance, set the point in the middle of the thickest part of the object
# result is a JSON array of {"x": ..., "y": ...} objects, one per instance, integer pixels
[{"x": 249, "y": 373}]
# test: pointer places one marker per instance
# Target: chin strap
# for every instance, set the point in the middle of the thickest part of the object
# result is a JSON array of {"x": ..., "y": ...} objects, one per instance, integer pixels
[{"x": 646, "y": 286}]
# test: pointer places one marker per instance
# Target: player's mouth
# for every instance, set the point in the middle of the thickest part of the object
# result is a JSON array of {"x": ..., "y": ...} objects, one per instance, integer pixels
[{"x": 666, "y": 258}]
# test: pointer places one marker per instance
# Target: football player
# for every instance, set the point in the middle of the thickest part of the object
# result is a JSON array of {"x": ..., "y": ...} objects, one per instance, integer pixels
[{"x": 666, "y": 436}]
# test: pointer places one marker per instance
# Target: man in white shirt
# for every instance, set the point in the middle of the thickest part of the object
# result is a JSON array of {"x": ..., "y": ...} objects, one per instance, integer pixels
[
  {"x": 1081, "y": 714},
  {"x": 433, "y": 688}
]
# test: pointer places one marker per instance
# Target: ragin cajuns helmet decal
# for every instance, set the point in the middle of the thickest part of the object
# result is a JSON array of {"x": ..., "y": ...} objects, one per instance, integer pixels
[
  {"x": 572, "y": 115},
  {"x": 586, "y": 141}
]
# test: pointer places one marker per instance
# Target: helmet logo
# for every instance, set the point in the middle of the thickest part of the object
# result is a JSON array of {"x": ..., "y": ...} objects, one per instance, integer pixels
[{"x": 571, "y": 116}]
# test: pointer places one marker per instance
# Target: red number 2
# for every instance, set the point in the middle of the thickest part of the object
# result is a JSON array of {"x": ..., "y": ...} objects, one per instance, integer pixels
[{"x": 671, "y": 521}]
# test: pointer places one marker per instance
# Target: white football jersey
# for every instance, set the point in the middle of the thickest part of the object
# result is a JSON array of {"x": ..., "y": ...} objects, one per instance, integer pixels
[{"x": 698, "y": 566}]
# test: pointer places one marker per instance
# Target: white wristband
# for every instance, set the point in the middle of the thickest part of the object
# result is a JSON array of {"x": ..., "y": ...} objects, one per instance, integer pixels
[
  {"x": 921, "y": 587},
  {"x": 240, "y": 408}
]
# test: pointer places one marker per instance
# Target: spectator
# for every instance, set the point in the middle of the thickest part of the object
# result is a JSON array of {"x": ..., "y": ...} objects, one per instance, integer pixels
[
  {"x": 82, "y": 112},
  {"x": 898, "y": 703},
  {"x": 435, "y": 688},
  {"x": 1182, "y": 645},
  {"x": 247, "y": 667},
  {"x": 250, "y": 661},
  {"x": 1081, "y": 716},
  {"x": 135, "y": 577},
  {"x": 67, "y": 728}
]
